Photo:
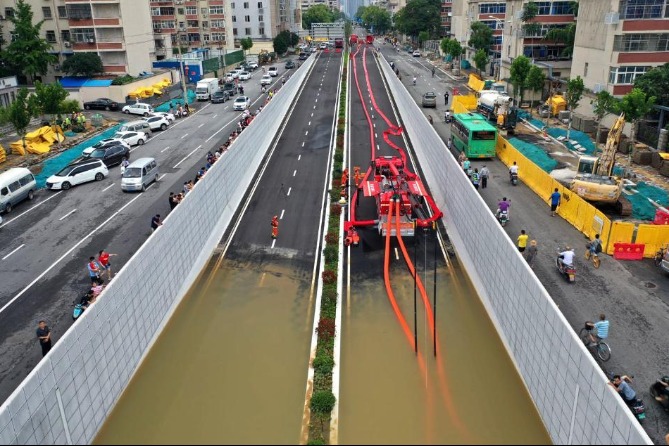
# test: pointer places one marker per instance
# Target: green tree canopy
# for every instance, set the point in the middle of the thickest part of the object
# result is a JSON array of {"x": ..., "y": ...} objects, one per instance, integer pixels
[
  {"x": 246, "y": 43},
  {"x": 481, "y": 60},
  {"x": 360, "y": 13},
  {"x": 452, "y": 47},
  {"x": 20, "y": 112},
  {"x": 636, "y": 104},
  {"x": 27, "y": 54},
  {"x": 572, "y": 96},
  {"x": 655, "y": 83},
  {"x": 536, "y": 79},
  {"x": 563, "y": 35},
  {"x": 49, "y": 97},
  {"x": 603, "y": 104},
  {"x": 520, "y": 69},
  {"x": 419, "y": 15},
  {"x": 83, "y": 64},
  {"x": 376, "y": 18},
  {"x": 480, "y": 37},
  {"x": 283, "y": 40},
  {"x": 317, "y": 14}
]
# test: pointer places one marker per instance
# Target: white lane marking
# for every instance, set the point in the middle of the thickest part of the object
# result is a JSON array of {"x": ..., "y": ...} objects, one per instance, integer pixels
[
  {"x": 314, "y": 107},
  {"x": 312, "y": 114},
  {"x": 306, "y": 133},
  {"x": 5, "y": 257},
  {"x": 214, "y": 116},
  {"x": 108, "y": 187},
  {"x": 186, "y": 157},
  {"x": 199, "y": 126},
  {"x": 166, "y": 148},
  {"x": 159, "y": 178},
  {"x": 373, "y": 117},
  {"x": 184, "y": 135},
  {"x": 309, "y": 123},
  {"x": 67, "y": 215},
  {"x": 299, "y": 157},
  {"x": 397, "y": 254},
  {"x": 316, "y": 100},
  {"x": 69, "y": 251},
  {"x": 375, "y": 135},
  {"x": 34, "y": 207},
  {"x": 377, "y": 147},
  {"x": 273, "y": 243},
  {"x": 282, "y": 211},
  {"x": 303, "y": 144},
  {"x": 375, "y": 125},
  {"x": 294, "y": 172},
  {"x": 289, "y": 189}
]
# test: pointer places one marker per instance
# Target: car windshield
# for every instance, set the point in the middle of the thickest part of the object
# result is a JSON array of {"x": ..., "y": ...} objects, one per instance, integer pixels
[
  {"x": 65, "y": 171},
  {"x": 430, "y": 95},
  {"x": 132, "y": 172},
  {"x": 240, "y": 99},
  {"x": 99, "y": 153},
  {"x": 118, "y": 135}
]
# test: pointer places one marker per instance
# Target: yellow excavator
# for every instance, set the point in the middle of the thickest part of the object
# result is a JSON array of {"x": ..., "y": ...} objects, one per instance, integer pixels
[{"x": 595, "y": 181}]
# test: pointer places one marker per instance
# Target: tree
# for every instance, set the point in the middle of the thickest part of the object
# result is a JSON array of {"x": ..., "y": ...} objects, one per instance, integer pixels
[
  {"x": 281, "y": 42},
  {"x": 520, "y": 69},
  {"x": 360, "y": 13},
  {"x": 317, "y": 14},
  {"x": 655, "y": 82},
  {"x": 452, "y": 47},
  {"x": 423, "y": 36},
  {"x": 636, "y": 104},
  {"x": 603, "y": 104},
  {"x": 83, "y": 64},
  {"x": 480, "y": 37},
  {"x": 246, "y": 43},
  {"x": 27, "y": 53},
  {"x": 536, "y": 79},
  {"x": 376, "y": 18},
  {"x": 419, "y": 15},
  {"x": 530, "y": 11},
  {"x": 49, "y": 97},
  {"x": 563, "y": 35},
  {"x": 572, "y": 97},
  {"x": 293, "y": 39},
  {"x": 481, "y": 60},
  {"x": 19, "y": 113}
]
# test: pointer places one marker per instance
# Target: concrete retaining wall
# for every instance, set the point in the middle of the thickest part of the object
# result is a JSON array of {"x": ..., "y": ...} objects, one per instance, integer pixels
[
  {"x": 68, "y": 396},
  {"x": 567, "y": 386}
]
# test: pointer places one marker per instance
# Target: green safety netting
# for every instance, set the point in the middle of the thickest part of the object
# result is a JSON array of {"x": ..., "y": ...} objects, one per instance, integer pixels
[
  {"x": 165, "y": 107},
  {"x": 643, "y": 209},
  {"x": 537, "y": 155}
]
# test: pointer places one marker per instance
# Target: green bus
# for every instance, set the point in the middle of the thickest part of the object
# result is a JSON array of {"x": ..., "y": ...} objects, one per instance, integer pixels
[{"x": 474, "y": 135}]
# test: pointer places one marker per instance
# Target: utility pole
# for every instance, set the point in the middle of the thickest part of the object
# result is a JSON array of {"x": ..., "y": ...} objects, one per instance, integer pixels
[{"x": 184, "y": 72}]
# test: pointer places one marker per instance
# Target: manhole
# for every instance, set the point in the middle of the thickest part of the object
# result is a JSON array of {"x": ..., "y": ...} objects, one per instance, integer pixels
[{"x": 650, "y": 285}]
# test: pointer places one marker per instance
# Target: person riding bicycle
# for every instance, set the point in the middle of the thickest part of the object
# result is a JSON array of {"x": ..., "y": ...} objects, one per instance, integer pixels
[
  {"x": 447, "y": 116},
  {"x": 601, "y": 328},
  {"x": 595, "y": 246}
]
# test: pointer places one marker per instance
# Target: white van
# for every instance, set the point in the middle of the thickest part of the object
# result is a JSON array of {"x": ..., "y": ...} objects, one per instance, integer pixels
[
  {"x": 206, "y": 88},
  {"x": 139, "y": 174},
  {"x": 16, "y": 185}
]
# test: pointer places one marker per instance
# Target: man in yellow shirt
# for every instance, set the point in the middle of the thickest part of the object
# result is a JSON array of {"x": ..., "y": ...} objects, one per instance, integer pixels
[{"x": 522, "y": 241}]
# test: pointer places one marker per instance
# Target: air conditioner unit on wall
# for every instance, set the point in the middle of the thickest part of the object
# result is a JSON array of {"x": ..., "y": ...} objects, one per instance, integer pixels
[{"x": 91, "y": 40}]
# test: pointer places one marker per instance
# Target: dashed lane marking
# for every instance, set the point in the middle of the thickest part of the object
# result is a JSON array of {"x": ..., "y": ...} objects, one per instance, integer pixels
[
  {"x": 289, "y": 189},
  {"x": 67, "y": 215},
  {"x": 108, "y": 187},
  {"x": 5, "y": 257},
  {"x": 282, "y": 211},
  {"x": 186, "y": 157},
  {"x": 166, "y": 148}
]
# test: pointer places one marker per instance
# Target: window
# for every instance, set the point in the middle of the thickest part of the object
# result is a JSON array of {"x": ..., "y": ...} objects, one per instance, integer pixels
[
  {"x": 247, "y": 18},
  {"x": 216, "y": 10},
  {"x": 15, "y": 186},
  {"x": 261, "y": 18},
  {"x": 562, "y": 8},
  {"x": 204, "y": 10},
  {"x": 261, "y": 31},
  {"x": 83, "y": 35},
  {"x": 492, "y": 8},
  {"x": 626, "y": 75},
  {"x": 541, "y": 30},
  {"x": 218, "y": 37},
  {"x": 234, "y": 18},
  {"x": 9, "y": 12},
  {"x": 205, "y": 24},
  {"x": 641, "y": 9},
  {"x": 51, "y": 36},
  {"x": 246, "y": 5},
  {"x": 218, "y": 23},
  {"x": 544, "y": 8},
  {"x": 192, "y": 23},
  {"x": 585, "y": 70},
  {"x": 641, "y": 42},
  {"x": 155, "y": 11},
  {"x": 496, "y": 40},
  {"x": 232, "y": 5},
  {"x": 259, "y": 5},
  {"x": 26, "y": 180},
  {"x": 205, "y": 37},
  {"x": 46, "y": 11},
  {"x": 79, "y": 11},
  {"x": 493, "y": 24},
  {"x": 234, "y": 31},
  {"x": 62, "y": 12},
  {"x": 247, "y": 31},
  {"x": 65, "y": 36},
  {"x": 180, "y": 10},
  {"x": 191, "y": 10}
]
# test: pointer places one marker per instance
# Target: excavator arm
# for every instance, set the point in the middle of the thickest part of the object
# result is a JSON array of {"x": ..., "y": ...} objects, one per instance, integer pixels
[{"x": 608, "y": 156}]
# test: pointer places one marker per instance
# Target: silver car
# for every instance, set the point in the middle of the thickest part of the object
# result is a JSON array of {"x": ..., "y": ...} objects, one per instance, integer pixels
[{"x": 430, "y": 99}]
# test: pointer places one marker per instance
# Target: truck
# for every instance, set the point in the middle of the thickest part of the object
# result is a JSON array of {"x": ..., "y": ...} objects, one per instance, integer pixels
[
  {"x": 206, "y": 88},
  {"x": 498, "y": 107},
  {"x": 370, "y": 39},
  {"x": 353, "y": 39},
  {"x": 339, "y": 43}
]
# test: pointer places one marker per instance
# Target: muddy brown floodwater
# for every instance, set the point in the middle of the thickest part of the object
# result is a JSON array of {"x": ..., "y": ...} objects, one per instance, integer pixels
[
  {"x": 229, "y": 368},
  {"x": 388, "y": 397}
]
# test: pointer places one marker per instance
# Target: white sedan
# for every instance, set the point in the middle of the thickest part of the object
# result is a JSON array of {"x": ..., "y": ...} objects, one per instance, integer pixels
[
  {"x": 235, "y": 73},
  {"x": 157, "y": 122},
  {"x": 244, "y": 76},
  {"x": 132, "y": 138},
  {"x": 169, "y": 116},
  {"x": 416, "y": 53},
  {"x": 266, "y": 80},
  {"x": 241, "y": 103}
]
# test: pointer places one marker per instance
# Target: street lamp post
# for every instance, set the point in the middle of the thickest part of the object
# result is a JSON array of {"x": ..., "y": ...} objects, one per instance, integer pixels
[
  {"x": 501, "y": 49},
  {"x": 182, "y": 68}
]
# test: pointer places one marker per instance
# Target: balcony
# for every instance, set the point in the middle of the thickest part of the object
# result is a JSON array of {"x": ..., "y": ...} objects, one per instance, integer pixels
[{"x": 116, "y": 69}]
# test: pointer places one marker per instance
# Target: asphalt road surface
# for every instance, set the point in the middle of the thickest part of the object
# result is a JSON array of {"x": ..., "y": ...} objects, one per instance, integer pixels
[
  {"x": 46, "y": 243},
  {"x": 633, "y": 295}
]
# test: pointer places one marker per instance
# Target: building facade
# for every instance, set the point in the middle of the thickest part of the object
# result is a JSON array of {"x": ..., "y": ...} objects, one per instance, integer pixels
[
  {"x": 619, "y": 40},
  {"x": 446, "y": 13},
  {"x": 8, "y": 90}
]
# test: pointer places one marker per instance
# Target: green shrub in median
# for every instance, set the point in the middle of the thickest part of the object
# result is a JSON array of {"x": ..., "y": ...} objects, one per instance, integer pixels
[{"x": 323, "y": 364}]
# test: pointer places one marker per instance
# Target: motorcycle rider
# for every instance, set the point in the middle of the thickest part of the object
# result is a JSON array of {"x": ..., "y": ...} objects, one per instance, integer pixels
[
  {"x": 513, "y": 170},
  {"x": 567, "y": 257},
  {"x": 621, "y": 384},
  {"x": 503, "y": 206},
  {"x": 447, "y": 116},
  {"x": 414, "y": 80}
]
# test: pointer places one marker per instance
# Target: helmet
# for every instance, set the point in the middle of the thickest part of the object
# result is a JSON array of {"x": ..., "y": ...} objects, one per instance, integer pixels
[{"x": 665, "y": 379}]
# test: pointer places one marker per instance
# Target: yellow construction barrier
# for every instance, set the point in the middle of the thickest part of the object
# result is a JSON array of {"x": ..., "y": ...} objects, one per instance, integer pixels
[
  {"x": 653, "y": 236},
  {"x": 475, "y": 83},
  {"x": 463, "y": 104},
  {"x": 621, "y": 232},
  {"x": 3, "y": 154}
]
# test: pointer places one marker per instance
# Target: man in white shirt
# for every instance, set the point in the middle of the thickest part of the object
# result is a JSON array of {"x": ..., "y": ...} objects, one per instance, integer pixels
[
  {"x": 513, "y": 169},
  {"x": 567, "y": 256}
]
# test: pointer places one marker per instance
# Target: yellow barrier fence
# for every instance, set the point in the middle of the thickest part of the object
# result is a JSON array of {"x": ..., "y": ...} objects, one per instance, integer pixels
[
  {"x": 475, "y": 82},
  {"x": 621, "y": 232},
  {"x": 653, "y": 236},
  {"x": 463, "y": 104}
]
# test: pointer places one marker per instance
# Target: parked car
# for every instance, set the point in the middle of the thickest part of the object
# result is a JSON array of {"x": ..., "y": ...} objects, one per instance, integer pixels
[
  {"x": 253, "y": 65},
  {"x": 235, "y": 73},
  {"x": 78, "y": 173},
  {"x": 416, "y": 53},
  {"x": 132, "y": 138},
  {"x": 273, "y": 71},
  {"x": 157, "y": 122},
  {"x": 139, "y": 125},
  {"x": 266, "y": 80},
  {"x": 111, "y": 156},
  {"x": 231, "y": 88},
  {"x": 16, "y": 184},
  {"x": 220, "y": 97},
  {"x": 101, "y": 104},
  {"x": 109, "y": 142},
  {"x": 289, "y": 64},
  {"x": 169, "y": 116},
  {"x": 241, "y": 103},
  {"x": 228, "y": 78},
  {"x": 323, "y": 46},
  {"x": 430, "y": 99},
  {"x": 304, "y": 56},
  {"x": 245, "y": 66},
  {"x": 244, "y": 76},
  {"x": 138, "y": 109}
]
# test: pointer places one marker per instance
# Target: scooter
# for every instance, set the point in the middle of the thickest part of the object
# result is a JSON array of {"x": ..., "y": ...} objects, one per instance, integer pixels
[
  {"x": 503, "y": 218},
  {"x": 567, "y": 271},
  {"x": 659, "y": 389},
  {"x": 79, "y": 307},
  {"x": 513, "y": 176},
  {"x": 181, "y": 114},
  {"x": 448, "y": 117}
]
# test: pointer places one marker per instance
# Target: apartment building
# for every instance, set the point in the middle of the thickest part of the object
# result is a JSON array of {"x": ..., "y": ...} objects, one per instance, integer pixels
[
  {"x": 619, "y": 40},
  {"x": 512, "y": 37},
  {"x": 445, "y": 14},
  {"x": 118, "y": 30},
  {"x": 332, "y": 4}
]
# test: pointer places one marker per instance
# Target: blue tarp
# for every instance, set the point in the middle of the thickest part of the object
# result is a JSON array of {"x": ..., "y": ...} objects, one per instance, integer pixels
[{"x": 77, "y": 82}]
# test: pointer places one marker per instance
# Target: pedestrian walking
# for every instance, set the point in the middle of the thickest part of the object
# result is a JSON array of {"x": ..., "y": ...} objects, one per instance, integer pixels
[
  {"x": 522, "y": 241},
  {"x": 44, "y": 335},
  {"x": 93, "y": 270},
  {"x": 475, "y": 179},
  {"x": 446, "y": 98},
  {"x": 172, "y": 201},
  {"x": 275, "y": 227},
  {"x": 555, "y": 201},
  {"x": 433, "y": 70},
  {"x": 105, "y": 265},
  {"x": 531, "y": 253},
  {"x": 155, "y": 222},
  {"x": 485, "y": 173}
]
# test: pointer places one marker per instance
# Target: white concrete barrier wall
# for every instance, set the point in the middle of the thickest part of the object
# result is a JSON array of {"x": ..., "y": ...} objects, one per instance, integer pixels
[
  {"x": 68, "y": 396},
  {"x": 567, "y": 386}
]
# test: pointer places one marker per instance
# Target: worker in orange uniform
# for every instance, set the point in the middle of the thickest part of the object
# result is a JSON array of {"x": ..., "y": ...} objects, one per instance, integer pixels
[
  {"x": 344, "y": 178},
  {"x": 357, "y": 176},
  {"x": 275, "y": 226},
  {"x": 352, "y": 238}
]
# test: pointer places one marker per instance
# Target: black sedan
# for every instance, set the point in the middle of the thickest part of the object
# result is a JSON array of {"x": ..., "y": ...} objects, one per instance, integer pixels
[
  {"x": 219, "y": 97},
  {"x": 290, "y": 64},
  {"x": 101, "y": 104},
  {"x": 111, "y": 156}
]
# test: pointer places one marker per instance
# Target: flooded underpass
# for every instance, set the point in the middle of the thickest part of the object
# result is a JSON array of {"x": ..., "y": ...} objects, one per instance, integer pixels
[{"x": 230, "y": 366}]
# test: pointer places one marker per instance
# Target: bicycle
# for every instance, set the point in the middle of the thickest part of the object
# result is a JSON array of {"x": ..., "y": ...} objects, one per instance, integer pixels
[
  {"x": 659, "y": 255},
  {"x": 601, "y": 348},
  {"x": 592, "y": 255}
]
